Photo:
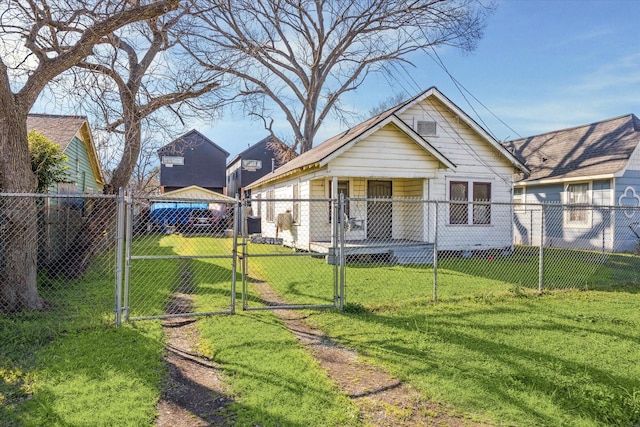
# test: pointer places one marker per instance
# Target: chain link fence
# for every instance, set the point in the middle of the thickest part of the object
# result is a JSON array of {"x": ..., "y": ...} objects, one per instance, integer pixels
[
  {"x": 289, "y": 244},
  {"x": 159, "y": 257},
  {"x": 180, "y": 257},
  {"x": 57, "y": 253}
]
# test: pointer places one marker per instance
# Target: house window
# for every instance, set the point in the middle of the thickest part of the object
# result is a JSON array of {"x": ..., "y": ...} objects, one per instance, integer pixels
[
  {"x": 518, "y": 198},
  {"x": 296, "y": 204},
  {"x": 577, "y": 194},
  {"x": 481, "y": 211},
  {"x": 458, "y": 212},
  {"x": 271, "y": 205},
  {"x": 480, "y": 193},
  {"x": 343, "y": 188},
  {"x": 258, "y": 205}
]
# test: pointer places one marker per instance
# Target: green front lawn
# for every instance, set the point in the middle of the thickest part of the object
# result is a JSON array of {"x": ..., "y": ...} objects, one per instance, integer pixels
[{"x": 491, "y": 347}]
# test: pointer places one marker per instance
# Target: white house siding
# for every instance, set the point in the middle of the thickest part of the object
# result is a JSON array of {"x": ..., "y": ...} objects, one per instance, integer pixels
[
  {"x": 299, "y": 234},
  {"x": 388, "y": 153},
  {"x": 471, "y": 154},
  {"x": 476, "y": 161},
  {"x": 319, "y": 215}
]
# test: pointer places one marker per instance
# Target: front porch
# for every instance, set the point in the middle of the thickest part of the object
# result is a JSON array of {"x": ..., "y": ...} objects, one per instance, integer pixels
[{"x": 396, "y": 251}]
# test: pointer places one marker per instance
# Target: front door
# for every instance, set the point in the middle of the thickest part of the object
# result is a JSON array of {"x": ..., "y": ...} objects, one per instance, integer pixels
[{"x": 379, "y": 212}]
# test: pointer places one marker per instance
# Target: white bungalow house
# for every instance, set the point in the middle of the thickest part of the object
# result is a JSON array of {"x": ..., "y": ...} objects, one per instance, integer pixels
[{"x": 426, "y": 148}]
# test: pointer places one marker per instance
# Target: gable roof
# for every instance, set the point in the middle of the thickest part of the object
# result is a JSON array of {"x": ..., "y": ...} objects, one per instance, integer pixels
[
  {"x": 196, "y": 192},
  {"x": 335, "y": 146},
  {"x": 192, "y": 134},
  {"x": 240, "y": 155},
  {"x": 62, "y": 129},
  {"x": 58, "y": 129},
  {"x": 600, "y": 149}
]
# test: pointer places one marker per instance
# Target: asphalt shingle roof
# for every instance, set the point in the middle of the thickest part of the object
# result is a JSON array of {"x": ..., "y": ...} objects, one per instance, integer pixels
[
  {"x": 59, "y": 129},
  {"x": 599, "y": 148}
]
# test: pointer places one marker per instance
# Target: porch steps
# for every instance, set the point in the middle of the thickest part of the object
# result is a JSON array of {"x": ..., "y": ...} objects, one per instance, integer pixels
[
  {"x": 403, "y": 255},
  {"x": 396, "y": 254}
]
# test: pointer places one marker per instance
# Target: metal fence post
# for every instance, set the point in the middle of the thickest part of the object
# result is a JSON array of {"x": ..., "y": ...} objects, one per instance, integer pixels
[
  {"x": 435, "y": 255},
  {"x": 119, "y": 255},
  {"x": 243, "y": 259},
  {"x": 342, "y": 254},
  {"x": 333, "y": 251},
  {"x": 604, "y": 227},
  {"x": 128, "y": 241},
  {"x": 237, "y": 211},
  {"x": 540, "y": 254}
]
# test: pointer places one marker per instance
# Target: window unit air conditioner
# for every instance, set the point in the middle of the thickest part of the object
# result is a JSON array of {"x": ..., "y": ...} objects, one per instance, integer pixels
[{"x": 426, "y": 128}]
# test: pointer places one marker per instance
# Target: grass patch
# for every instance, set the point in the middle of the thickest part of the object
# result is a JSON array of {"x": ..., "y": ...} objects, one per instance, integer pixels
[
  {"x": 70, "y": 366},
  {"x": 274, "y": 380},
  {"x": 492, "y": 346}
]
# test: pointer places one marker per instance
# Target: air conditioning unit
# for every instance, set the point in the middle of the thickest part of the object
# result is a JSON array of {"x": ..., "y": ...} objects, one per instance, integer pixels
[{"x": 426, "y": 128}]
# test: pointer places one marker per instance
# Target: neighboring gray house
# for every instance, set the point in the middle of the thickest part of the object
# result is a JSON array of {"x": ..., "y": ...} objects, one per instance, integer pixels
[
  {"x": 249, "y": 166},
  {"x": 595, "y": 164},
  {"x": 192, "y": 159}
]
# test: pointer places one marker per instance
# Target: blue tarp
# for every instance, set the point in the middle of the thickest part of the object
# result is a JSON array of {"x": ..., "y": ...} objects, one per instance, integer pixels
[{"x": 173, "y": 213}]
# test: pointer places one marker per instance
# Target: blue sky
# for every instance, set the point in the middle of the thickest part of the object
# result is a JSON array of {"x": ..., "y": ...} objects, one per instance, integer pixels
[{"x": 542, "y": 65}]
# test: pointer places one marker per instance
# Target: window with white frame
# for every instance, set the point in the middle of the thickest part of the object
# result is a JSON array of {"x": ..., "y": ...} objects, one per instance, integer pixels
[
  {"x": 577, "y": 197},
  {"x": 271, "y": 205},
  {"x": 469, "y": 191},
  {"x": 482, "y": 205},
  {"x": 343, "y": 188},
  {"x": 518, "y": 198},
  {"x": 296, "y": 204},
  {"x": 459, "y": 212}
]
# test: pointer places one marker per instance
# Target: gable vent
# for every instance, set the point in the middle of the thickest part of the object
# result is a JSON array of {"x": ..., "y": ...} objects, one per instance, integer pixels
[{"x": 426, "y": 128}]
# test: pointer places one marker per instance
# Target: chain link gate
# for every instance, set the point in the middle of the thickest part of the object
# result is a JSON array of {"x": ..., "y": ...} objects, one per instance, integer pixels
[
  {"x": 271, "y": 265},
  {"x": 179, "y": 257}
]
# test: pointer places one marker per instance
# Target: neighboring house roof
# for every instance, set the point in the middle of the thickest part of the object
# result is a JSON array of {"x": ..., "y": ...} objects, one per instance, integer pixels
[
  {"x": 600, "y": 149},
  {"x": 335, "y": 146},
  {"x": 240, "y": 155},
  {"x": 62, "y": 129},
  {"x": 190, "y": 136},
  {"x": 195, "y": 192}
]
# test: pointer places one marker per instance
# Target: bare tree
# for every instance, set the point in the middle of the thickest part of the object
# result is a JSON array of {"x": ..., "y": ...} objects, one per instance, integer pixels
[
  {"x": 301, "y": 56},
  {"x": 386, "y": 104},
  {"x": 145, "y": 72},
  {"x": 134, "y": 76},
  {"x": 39, "y": 40}
]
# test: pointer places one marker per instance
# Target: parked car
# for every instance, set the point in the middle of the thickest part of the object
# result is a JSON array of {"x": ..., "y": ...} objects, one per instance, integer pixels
[{"x": 206, "y": 220}]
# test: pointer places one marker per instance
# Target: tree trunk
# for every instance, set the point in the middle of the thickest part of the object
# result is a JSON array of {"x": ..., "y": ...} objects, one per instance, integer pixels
[
  {"x": 19, "y": 239},
  {"x": 132, "y": 143}
]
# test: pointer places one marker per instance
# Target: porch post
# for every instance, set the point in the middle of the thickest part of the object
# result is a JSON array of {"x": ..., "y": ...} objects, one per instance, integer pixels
[
  {"x": 435, "y": 253},
  {"x": 334, "y": 198}
]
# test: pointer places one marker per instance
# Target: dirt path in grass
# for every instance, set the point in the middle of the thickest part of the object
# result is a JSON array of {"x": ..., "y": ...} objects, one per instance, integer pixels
[
  {"x": 383, "y": 399},
  {"x": 195, "y": 394}
]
